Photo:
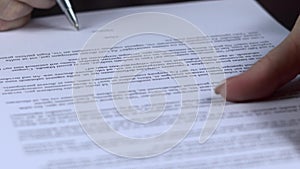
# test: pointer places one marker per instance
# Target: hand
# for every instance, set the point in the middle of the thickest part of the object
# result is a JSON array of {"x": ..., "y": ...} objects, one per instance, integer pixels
[
  {"x": 279, "y": 66},
  {"x": 16, "y": 13}
]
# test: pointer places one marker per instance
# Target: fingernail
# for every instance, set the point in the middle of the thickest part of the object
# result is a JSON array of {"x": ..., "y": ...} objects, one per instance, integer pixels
[{"x": 221, "y": 89}]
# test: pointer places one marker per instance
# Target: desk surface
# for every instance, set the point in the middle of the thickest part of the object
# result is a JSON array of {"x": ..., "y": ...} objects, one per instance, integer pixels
[{"x": 285, "y": 11}]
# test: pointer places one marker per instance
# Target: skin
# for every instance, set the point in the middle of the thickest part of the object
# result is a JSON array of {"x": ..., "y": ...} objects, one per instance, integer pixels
[
  {"x": 278, "y": 67},
  {"x": 16, "y": 13}
]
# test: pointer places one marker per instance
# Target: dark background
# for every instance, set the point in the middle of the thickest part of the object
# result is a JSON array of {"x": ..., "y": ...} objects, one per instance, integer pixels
[{"x": 285, "y": 11}]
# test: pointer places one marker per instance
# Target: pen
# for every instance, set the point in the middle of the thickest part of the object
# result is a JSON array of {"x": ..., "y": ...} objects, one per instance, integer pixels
[{"x": 66, "y": 7}]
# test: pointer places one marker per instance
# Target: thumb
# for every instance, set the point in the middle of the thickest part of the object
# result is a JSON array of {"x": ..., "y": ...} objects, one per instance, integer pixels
[{"x": 278, "y": 67}]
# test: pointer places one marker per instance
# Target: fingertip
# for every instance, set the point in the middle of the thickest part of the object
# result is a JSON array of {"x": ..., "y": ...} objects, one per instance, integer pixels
[
  {"x": 10, "y": 25},
  {"x": 45, "y": 4},
  {"x": 221, "y": 89},
  {"x": 14, "y": 11},
  {"x": 244, "y": 88}
]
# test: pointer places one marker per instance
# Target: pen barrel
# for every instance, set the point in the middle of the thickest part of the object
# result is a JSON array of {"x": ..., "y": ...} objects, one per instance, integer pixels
[
  {"x": 66, "y": 7},
  {"x": 64, "y": 4}
]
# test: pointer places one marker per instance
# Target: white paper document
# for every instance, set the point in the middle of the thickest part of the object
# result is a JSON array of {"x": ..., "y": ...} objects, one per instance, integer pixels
[{"x": 53, "y": 78}]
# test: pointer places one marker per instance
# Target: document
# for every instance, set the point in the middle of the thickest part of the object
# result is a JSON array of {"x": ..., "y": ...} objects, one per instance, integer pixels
[{"x": 51, "y": 77}]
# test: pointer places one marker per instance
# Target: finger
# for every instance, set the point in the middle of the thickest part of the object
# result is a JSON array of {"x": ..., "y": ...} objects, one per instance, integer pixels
[
  {"x": 8, "y": 25},
  {"x": 12, "y": 10},
  {"x": 43, "y": 4},
  {"x": 278, "y": 67}
]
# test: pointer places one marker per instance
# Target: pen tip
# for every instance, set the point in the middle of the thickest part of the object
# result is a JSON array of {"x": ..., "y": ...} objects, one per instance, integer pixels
[{"x": 76, "y": 26}]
